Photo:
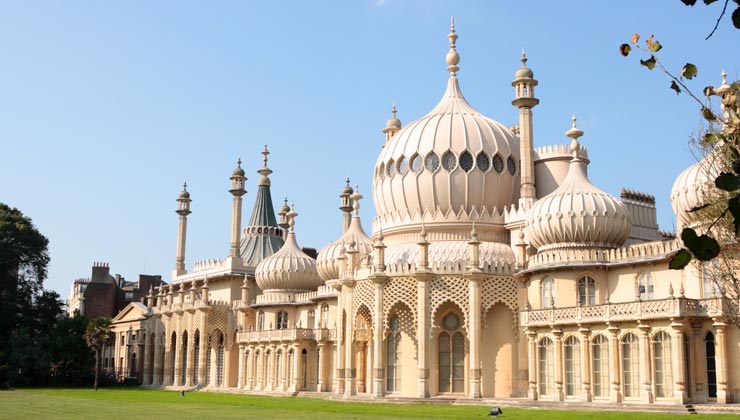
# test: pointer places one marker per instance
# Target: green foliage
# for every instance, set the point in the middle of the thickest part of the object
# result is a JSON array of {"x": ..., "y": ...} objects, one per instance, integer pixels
[
  {"x": 97, "y": 334},
  {"x": 689, "y": 71}
]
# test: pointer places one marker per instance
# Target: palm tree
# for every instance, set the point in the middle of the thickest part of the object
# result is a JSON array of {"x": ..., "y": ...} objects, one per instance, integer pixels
[{"x": 97, "y": 335}]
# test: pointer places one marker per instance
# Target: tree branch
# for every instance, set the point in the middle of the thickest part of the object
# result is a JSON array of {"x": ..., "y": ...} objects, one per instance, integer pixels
[{"x": 718, "y": 19}]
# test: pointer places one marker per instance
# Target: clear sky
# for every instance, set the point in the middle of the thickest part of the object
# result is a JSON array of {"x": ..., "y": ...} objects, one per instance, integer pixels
[{"x": 106, "y": 107}]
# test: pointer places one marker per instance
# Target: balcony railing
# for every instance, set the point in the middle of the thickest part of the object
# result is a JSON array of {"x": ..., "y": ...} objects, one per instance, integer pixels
[
  {"x": 627, "y": 311},
  {"x": 287, "y": 335}
]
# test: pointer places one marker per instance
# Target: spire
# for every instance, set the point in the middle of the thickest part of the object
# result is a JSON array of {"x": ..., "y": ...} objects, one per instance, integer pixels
[
  {"x": 263, "y": 236},
  {"x": 264, "y": 171},
  {"x": 452, "y": 58},
  {"x": 356, "y": 197},
  {"x": 574, "y": 133}
]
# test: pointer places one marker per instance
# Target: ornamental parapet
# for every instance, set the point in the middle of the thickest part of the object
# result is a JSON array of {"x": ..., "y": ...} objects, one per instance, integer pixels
[
  {"x": 440, "y": 267},
  {"x": 286, "y": 335},
  {"x": 627, "y": 311},
  {"x": 638, "y": 252}
]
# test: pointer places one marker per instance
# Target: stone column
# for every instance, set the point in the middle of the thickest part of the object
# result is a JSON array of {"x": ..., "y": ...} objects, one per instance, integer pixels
[
  {"x": 679, "y": 369},
  {"x": 615, "y": 396},
  {"x": 240, "y": 374},
  {"x": 340, "y": 343},
  {"x": 320, "y": 387},
  {"x": 296, "y": 368},
  {"x": 721, "y": 361},
  {"x": 167, "y": 374},
  {"x": 647, "y": 383},
  {"x": 422, "y": 332},
  {"x": 203, "y": 351},
  {"x": 699, "y": 394},
  {"x": 559, "y": 394},
  {"x": 177, "y": 378},
  {"x": 349, "y": 371},
  {"x": 378, "y": 364},
  {"x": 259, "y": 366},
  {"x": 271, "y": 367},
  {"x": 249, "y": 379},
  {"x": 190, "y": 360},
  {"x": 157, "y": 374},
  {"x": 147, "y": 355},
  {"x": 585, "y": 364},
  {"x": 285, "y": 381},
  {"x": 361, "y": 379},
  {"x": 474, "y": 332},
  {"x": 532, "y": 359}
]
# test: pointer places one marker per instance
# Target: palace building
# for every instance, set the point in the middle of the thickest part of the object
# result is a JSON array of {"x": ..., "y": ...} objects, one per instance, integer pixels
[{"x": 492, "y": 269}]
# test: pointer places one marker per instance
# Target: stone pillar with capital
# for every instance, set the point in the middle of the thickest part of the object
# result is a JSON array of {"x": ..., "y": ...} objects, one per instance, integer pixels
[
  {"x": 699, "y": 393},
  {"x": 295, "y": 380},
  {"x": 349, "y": 370},
  {"x": 615, "y": 395},
  {"x": 721, "y": 361},
  {"x": 585, "y": 364},
  {"x": 321, "y": 367},
  {"x": 647, "y": 384},
  {"x": 532, "y": 359},
  {"x": 240, "y": 373},
  {"x": 679, "y": 368},
  {"x": 378, "y": 364},
  {"x": 474, "y": 334},
  {"x": 147, "y": 356},
  {"x": 559, "y": 394}
]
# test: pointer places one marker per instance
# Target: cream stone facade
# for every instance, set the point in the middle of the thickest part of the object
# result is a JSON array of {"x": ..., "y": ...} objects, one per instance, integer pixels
[{"x": 493, "y": 270}]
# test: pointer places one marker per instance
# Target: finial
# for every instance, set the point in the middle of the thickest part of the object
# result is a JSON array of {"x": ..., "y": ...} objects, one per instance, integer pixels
[
  {"x": 265, "y": 152},
  {"x": 453, "y": 58},
  {"x": 291, "y": 217},
  {"x": 239, "y": 161},
  {"x": 423, "y": 232},
  {"x": 393, "y": 109},
  {"x": 524, "y": 59},
  {"x": 473, "y": 233},
  {"x": 347, "y": 180},
  {"x": 380, "y": 233},
  {"x": 724, "y": 77},
  {"x": 356, "y": 197},
  {"x": 574, "y": 133},
  {"x": 185, "y": 186}
]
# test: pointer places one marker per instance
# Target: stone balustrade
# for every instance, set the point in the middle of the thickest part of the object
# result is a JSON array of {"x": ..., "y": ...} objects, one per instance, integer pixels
[
  {"x": 286, "y": 335},
  {"x": 627, "y": 311}
]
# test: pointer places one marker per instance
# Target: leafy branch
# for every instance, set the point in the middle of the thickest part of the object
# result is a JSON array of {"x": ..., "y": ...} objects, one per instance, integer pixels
[{"x": 735, "y": 15}]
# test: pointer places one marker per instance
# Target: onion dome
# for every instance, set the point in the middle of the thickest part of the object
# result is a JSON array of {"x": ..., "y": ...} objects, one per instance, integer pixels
[
  {"x": 524, "y": 72},
  {"x": 577, "y": 214},
  {"x": 452, "y": 160},
  {"x": 329, "y": 259},
  {"x": 289, "y": 269},
  {"x": 393, "y": 122},
  {"x": 184, "y": 194},
  {"x": 691, "y": 190},
  {"x": 347, "y": 189},
  {"x": 238, "y": 171}
]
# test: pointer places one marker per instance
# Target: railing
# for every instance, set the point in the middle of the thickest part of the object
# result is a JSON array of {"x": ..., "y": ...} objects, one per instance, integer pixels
[
  {"x": 628, "y": 311},
  {"x": 288, "y": 334},
  {"x": 604, "y": 256}
]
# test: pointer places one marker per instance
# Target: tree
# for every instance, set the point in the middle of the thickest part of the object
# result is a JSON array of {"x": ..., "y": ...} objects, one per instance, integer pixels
[
  {"x": 24, "y": 259},
  {"x": 715, "y": 236},
  {"x": 97, "y": 334}
]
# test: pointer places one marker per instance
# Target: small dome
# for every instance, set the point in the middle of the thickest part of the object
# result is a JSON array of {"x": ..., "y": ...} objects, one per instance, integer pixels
[
  {"x": 393, "y": 122},
  {"x": 577, "y": 214},
  {"x": 690, "y": 191},
  {"x": 238, "y": 171},
  {"x": 184, "y": 194},
  {"x": 347, "y": 190},
  {"x": 524, "y": 72},
  {"x": 289, "y": 269},
  {"x": 328, "y": 260}
]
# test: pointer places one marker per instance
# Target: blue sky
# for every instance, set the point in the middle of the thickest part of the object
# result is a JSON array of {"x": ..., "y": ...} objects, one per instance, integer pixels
[{"x": 106, "y": 107}]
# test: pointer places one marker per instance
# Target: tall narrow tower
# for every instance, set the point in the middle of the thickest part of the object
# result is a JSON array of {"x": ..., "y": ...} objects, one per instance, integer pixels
[
  {"x": 183, "y": 209},
  {"x": 524, "y": 99},
  {"x": 237, "y": 190},
  {"x": 346, "y": 206}
]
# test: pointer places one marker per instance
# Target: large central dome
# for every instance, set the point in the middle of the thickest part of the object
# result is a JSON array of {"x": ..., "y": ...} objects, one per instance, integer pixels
[{"x": 450, "y": 166}]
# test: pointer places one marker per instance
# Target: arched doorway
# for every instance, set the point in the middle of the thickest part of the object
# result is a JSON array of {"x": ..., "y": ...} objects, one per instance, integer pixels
[
  {"x": 451, "y": 356},
  {"x": 711, "y": 365}
]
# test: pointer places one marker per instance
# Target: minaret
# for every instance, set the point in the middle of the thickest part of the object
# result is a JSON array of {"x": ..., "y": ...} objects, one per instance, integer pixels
[
  {"x": 392, "y": 125},
  {"x": 262, "y": 235},
  {"x": 183, "y": 209},
  {"x": 283, "y": 223},
  {"x": 237, "y": 190},
  {"x": 524, "y": 99},
  {"x": 346, "y": 207}
]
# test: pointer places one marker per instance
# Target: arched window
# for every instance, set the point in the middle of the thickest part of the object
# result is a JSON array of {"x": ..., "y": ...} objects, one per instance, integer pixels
[
  {"x": 546, "y": 368},
  {"x": 711, "y": 365},
  {"x": 548, "y": 293},
  {"x": 451, "y": 356},
  {"x": 324, "y": 315},
  {"x": 662, "y": 365},
  {"x": 311, "y": 318},
  {"x": 586, "y": 291},
  {"x": 304, "y": 368},
  {"x": 260, "y": 320},
  {"x": 630, "y": 366},
  {"x": 184, "y": 368},
  {"x": 600, "y": 363},
  {"x": 572, "y": 356},
  {"x": 196, "y": 356},
  {"x": 710, "y": 273},
  {"x": 645, "y": 286},
  {"x": 220, "y": 361},
  {"x": 282, "y": 320},
  {"x": 393, "y": 356}
]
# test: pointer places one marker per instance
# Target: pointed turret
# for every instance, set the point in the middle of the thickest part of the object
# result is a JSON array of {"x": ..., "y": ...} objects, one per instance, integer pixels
[{"x": 262, "y": 236}]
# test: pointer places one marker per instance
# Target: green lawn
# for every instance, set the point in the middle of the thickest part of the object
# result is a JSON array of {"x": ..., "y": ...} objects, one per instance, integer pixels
[{"x": 133, "y": 403}]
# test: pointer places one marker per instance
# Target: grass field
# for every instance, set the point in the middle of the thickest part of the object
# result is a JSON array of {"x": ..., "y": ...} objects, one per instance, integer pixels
[{"x": 132, "y": 403}]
